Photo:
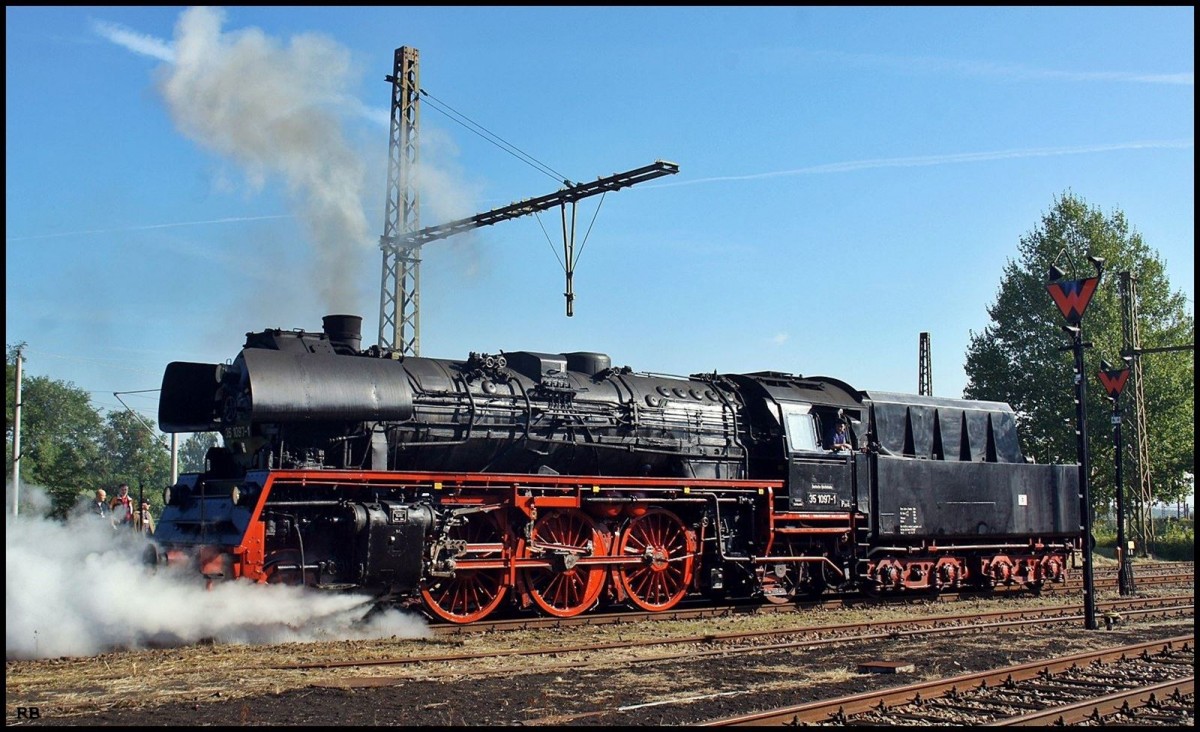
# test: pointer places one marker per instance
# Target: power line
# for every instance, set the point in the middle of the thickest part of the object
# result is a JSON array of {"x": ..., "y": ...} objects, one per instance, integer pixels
[
  {"x": 133, "y": 413},
  {"x": 111, "y": 363},
  {"x": 496, "y": 140}
]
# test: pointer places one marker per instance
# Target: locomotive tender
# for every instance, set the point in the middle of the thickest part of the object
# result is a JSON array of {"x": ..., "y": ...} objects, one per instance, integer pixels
[{"x": 558, "y": 482}]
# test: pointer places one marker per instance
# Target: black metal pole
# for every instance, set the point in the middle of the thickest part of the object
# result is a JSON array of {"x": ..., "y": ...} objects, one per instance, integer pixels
[
  {"x": 1072, "y": 298},
  {"x": 1124, "y": 568},
  {"x": 1085, "y": 507}
]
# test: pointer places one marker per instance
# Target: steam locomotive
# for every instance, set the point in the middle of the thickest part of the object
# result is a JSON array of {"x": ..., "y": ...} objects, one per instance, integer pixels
[{"x": 554, "y": 483}]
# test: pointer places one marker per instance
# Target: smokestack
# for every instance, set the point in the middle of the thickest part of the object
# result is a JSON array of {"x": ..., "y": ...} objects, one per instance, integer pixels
[{"x": 344, "y": 332}]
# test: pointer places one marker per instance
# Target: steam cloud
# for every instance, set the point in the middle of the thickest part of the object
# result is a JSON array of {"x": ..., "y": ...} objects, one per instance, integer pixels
[
  {"x": 80, "y": 588},
  {"x": 271, "y": 109}
]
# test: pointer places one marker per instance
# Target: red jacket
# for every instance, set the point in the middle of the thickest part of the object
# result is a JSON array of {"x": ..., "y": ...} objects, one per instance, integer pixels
[{"x": 123, "y": 514}]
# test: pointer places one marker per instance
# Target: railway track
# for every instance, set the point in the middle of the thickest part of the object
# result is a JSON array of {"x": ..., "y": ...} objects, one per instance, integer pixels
[
  {"x": 680, "y": 655},
  {"x": 700, "y": 611},
  {"x": 646, "y": 674},
  {"x": 1150, "y": 682},
  {"x": 740, "y": 642}
]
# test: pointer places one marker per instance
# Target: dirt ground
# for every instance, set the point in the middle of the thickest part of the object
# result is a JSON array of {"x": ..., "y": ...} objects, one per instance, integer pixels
[{"x": 688, "y": 684}]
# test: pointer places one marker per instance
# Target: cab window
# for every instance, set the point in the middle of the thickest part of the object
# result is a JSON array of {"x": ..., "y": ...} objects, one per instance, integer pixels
[{"x": 801, "y": 428}]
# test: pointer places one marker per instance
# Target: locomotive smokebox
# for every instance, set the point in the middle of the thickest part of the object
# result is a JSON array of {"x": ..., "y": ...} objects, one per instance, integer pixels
[
  {"x": 344, "y": 332},
  {"x": 289, "y": 386}
]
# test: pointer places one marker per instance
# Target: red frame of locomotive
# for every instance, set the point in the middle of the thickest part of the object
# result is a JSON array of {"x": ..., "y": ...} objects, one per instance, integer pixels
[{"x": 561, "y": 543}]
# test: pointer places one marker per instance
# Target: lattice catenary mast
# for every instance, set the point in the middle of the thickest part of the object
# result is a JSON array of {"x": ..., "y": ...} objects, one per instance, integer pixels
[
  {"x": 399, "y": 300},
  {"x": 925, "y": 368},
  {"x": 1131, "y": 348}
]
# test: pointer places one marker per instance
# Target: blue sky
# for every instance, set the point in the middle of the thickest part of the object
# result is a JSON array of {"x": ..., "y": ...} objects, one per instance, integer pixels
[{"x": 849, "y": 177}]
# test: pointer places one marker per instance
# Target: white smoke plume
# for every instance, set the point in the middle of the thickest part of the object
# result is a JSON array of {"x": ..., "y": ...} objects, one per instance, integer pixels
[
  {"x": 272, "y": 109},
  {"x": 80, "y": 588}
]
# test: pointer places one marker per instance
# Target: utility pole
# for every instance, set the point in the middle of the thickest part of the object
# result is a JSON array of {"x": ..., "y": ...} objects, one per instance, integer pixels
[
  {"x": 925, "y": 369},
  {"x": 1114, "y": 381},
  {"x": 16, "y": 450},
  {"x": 174, "y": 458},
  {"x": 1072, "y": 298}
]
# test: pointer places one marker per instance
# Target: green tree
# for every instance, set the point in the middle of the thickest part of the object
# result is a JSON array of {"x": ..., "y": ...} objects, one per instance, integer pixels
[
  {"x": 1022, "y": 356},
  {"x": 134, "y": 453},
  {"x": 194, "y": 449},
  {"x": 60, "y": 433}
]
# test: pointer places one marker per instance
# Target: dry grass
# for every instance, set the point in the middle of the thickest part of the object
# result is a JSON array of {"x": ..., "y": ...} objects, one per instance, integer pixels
[{"x": 144, "y": 678}]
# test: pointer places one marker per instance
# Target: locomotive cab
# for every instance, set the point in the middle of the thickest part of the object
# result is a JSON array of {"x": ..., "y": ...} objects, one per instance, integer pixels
[{"x": 802, "y": 410}]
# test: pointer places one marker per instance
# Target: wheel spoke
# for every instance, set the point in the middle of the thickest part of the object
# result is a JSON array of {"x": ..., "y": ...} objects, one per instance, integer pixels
[
  {"x": 566, "y": 588},
  {"x": 471, "y": 594},
  {"x": 668, "y": 551}
]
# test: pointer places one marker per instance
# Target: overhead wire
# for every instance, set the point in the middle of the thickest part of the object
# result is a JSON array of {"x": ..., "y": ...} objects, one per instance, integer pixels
[
  {"x": 491, "y": 137},
  {"x": 579, "y": 253},
  {"x": 133, "y": 413},
  {"x": 478, "y": 129},
  {"x": 589, "y": 228},
  {"x": 110, "y": 363}
]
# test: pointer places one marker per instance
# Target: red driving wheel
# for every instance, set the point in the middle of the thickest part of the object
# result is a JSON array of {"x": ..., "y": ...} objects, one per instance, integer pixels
[
  {"x": 667, "y": 551},
  {"x": 472, "y": 593},
  {"x": 567, "y": 587}
]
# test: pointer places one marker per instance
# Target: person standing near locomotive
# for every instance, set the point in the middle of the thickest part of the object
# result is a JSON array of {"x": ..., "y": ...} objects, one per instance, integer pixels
[
  {"x": 143, "y": 522},
  {"x": 122, "y": 507},
  {"x": 841, "y": 438},
  {"x": 100, "y": 505}
]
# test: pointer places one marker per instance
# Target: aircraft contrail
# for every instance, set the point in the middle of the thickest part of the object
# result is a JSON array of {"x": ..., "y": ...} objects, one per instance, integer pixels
[
  {"x": 924, "y": 160},
  {"x": 230, "y": 220}
]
